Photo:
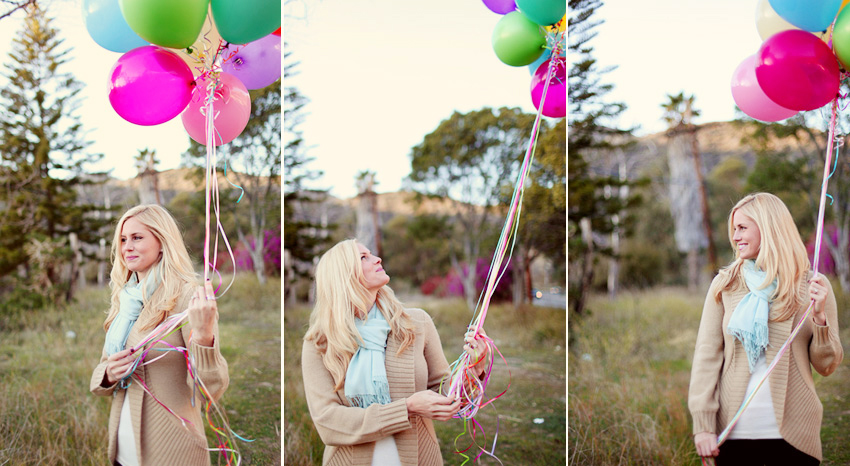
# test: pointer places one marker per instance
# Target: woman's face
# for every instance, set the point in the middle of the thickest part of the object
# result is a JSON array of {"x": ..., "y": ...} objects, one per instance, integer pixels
[
  {"x": 747, "y": 236},
  {"x": 374, "y": 276},
  {"x": 139, "y": 247}
]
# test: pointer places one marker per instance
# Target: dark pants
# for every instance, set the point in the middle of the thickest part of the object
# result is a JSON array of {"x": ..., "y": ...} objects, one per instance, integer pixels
[{"x": 767, "y": 452}]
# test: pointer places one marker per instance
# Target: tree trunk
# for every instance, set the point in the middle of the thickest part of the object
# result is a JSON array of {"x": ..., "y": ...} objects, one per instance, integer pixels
[
  {"x": 706, "y": 217},
  {"x": 288, "y": 279},
  {"x": 693, "y": 270},
  {"x": 102, "y": 258},
  {"x": 685, "y": 201},
  {"x": 526, "y": 273},
  {"x": 257, "y": 259},
  {"x": 586, "y": 266},
  {"x": 366, "y": 224}
]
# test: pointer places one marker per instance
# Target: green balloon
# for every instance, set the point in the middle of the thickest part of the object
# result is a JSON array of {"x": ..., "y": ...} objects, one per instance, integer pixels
[
  {"x": 243, "y": 21},
  {"x": 543, "y": 12},
  {"x": 168, "y": 23},
  {"x": 841, "y": 38},
  {"x": 517, "y": 40}
]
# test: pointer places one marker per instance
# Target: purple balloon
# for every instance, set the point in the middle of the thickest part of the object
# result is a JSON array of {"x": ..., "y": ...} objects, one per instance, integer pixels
[
  {"x": 797, "y": 70},
  {"x": 751, "y": 99},
  {"x": 257, "y": 63},
  {"x": 150, "y": 85},
  {"x": 555, "y": 105},
  {"x": 501, "y": 7}
]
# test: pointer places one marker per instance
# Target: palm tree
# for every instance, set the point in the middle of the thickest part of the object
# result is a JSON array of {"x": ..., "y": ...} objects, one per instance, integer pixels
[{"x": 679, "y": 112}]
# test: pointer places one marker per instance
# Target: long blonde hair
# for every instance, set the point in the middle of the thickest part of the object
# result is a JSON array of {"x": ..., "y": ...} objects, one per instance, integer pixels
[
  {"x": 340, "y": 293},
  {"x": 174, "y": 269},
  {"x": 781, "y": 253}
]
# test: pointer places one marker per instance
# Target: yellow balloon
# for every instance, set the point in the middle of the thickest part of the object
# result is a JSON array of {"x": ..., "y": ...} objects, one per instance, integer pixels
[
  {"x": 768, "y": 21},
  {"x": 561, "y": 25},
  {"x": 201, "y": 54}
]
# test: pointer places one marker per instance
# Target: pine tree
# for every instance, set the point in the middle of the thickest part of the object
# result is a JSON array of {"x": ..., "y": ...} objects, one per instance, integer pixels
[
  {"x": 43, "y": 155},
  {"x": 591, "y": 132}
]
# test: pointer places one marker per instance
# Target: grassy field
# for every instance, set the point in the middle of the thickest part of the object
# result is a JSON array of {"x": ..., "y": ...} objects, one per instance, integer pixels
[
  {"x": 532, "y": 339},
  {"x": 49, "y": 417},
  {"x": 629, "y": 368}
]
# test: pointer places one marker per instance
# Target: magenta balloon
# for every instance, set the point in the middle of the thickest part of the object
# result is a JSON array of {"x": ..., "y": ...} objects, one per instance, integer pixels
[
  {"x": 231, "y": 107},
  {"x": 501, "y": 7},
  {"x": 555, "y": 105},
  {"x": 150, "y": 85},
  {"x": 751, "y": 99},
  {"x": 257, "y": 63},
  {"x": 797, "y": 70}
]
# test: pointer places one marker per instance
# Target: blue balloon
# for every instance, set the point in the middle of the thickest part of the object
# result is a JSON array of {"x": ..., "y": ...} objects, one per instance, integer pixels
[
  {"x": 808, "y": 15},
  {"x": 107, "y": 26}
]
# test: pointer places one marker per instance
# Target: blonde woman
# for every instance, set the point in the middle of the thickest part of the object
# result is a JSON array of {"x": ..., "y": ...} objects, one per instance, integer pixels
[
  {"x": 751, "y": 308},
  {"x": 371, "y": 367},
  {"x": 152, "y": 278}
]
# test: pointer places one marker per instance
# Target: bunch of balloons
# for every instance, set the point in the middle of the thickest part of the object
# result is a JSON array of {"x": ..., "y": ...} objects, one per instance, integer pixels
[
  {"x": 533, "y": 33},
  {"x": 800, "y": 64},
  {"x": 187, "y": 56}
]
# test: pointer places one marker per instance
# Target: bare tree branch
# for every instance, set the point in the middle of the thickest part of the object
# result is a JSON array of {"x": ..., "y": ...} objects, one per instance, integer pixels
[{"x": 15, "y": 5}]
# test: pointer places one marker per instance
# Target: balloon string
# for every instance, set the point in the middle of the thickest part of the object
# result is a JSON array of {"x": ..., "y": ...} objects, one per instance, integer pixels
[
  {"x": 821, "y": 209},
  {"x": 462, "y": 381}
]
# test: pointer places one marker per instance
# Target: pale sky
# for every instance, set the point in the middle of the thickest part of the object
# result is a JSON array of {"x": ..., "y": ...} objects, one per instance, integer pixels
[
  {"x": 119, "y": 140},
  {"x": 664, "y": 47},
  {"x": 381, "y": 74}
]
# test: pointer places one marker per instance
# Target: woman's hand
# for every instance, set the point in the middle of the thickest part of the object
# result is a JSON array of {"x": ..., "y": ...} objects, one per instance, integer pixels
[
  {"x": 819, "y": 292},
  {"x": 432, "y": 405},
  {"x": 478, "y": 349},
  {"x": 203, "y": 313},
  {"x": 706, "y": 443},
  {"x": 118, "y": 365}
]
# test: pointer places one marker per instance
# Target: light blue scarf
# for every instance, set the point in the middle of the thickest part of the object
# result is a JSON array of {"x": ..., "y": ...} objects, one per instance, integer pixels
[
  {"x": 366, "y": 377},
  {"x": 749, "y": 320},
  {"x": 131, "y": 301}
]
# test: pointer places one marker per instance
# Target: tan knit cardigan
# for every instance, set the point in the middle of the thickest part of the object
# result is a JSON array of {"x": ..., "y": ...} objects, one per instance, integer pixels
[
  {"x": 720, "y": 371},
  {"x": 161, "y": 439},
  {"x": 349, "y": 433}
]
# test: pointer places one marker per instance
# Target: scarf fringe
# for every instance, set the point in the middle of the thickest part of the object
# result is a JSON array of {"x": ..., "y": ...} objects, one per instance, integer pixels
[
  {"x": 749, "y": 341},
  {"x": 382, "y": 395}
]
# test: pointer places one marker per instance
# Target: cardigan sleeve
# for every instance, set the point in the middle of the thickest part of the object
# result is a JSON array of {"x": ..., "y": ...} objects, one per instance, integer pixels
[
  {"x": 210, "y": 366},
  {"x": 825, "y": 350},
  {"x": 435, "y": 358},
  {"x": 97, "y": 378},
  {"x": 340, "y": 425},
  {"x": 708, "y": 362}
]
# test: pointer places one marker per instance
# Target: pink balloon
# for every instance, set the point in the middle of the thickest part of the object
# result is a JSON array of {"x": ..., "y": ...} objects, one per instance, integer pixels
[
  {"x": 257, "y": 63},
  {"x": 555, "y": 105},
  {"x": 231, "y": 108},
  {"x": 150, "y": 85},
  {"x": 751, "y": 99},
  {"x": 797, "y": 70}
]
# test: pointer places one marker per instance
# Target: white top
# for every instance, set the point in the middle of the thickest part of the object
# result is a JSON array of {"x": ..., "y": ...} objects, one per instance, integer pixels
[
  {"x": 758, "y": 420},
  {"x": 386, "y": 453},
  {"x": 126, "y": 442}
]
